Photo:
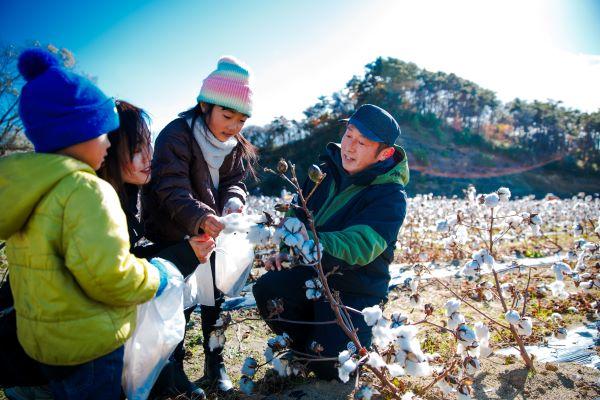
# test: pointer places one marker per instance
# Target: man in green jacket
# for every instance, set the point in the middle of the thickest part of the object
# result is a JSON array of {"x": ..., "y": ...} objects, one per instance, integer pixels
[
  {"x": 75, "y": 284},
  {"x": 358, "y": 210}
]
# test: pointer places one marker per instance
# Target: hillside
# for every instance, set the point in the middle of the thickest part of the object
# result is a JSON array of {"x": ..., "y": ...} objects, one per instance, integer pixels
[{"x": 455, "y": 133}]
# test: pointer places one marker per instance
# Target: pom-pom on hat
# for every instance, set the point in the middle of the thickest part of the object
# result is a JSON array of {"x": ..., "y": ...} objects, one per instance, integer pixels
[
  {"x": 228, "y": 86},
  {"x": 58, "y": 107}
]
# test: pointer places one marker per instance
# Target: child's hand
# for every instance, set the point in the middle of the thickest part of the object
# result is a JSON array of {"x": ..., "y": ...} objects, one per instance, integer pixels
[
  {"x": 203, "y": 245},
  {"x": 212, "y": 226},
  {"x": 233, "y": 205}
]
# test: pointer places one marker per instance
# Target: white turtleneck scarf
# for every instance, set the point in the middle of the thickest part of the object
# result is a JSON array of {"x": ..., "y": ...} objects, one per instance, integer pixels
[{"x": 213, "y": 150}]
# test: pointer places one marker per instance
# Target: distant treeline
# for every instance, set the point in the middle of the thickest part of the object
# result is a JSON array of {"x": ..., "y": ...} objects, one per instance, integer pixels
[{"x": 440, "y": 104}]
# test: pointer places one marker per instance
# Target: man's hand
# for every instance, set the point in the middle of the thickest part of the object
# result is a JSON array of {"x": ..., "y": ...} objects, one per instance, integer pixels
[
  {"x": 274, "y": 262},
  {"x": 203, "y": 245},
  {"x": 211, "y": 225}
]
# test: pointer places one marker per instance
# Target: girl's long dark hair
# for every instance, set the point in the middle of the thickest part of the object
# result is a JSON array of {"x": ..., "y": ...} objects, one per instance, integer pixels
[
  {"x": 132, "y": 136},
  {"x": 249, "y": 151}
]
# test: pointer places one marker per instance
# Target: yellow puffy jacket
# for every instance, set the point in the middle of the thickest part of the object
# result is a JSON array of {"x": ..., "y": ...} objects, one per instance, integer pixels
[{"x": 75, "y": 284}]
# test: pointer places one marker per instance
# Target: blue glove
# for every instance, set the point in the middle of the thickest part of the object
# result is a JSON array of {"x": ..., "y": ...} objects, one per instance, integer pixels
[{"x": 162, "y": 272}]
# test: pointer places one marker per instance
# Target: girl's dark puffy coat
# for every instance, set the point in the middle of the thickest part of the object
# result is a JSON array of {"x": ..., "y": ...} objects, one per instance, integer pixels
[{"x": 180, "y": 193}]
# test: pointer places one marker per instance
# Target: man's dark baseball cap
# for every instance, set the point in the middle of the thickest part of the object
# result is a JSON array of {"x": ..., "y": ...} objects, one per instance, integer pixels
[{"x": 375, "y": 124}]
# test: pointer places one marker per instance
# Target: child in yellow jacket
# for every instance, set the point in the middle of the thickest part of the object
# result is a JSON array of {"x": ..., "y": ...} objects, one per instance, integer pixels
[{"x": 74, "y": 282}]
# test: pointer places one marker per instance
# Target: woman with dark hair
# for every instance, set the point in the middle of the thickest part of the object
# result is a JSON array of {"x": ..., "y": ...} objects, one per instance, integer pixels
[
  {"x": 200, "y": 162},
  {"x": 127, "y": 168}
]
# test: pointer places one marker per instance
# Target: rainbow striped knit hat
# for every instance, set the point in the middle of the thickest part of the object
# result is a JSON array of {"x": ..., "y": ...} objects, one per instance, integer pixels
[{"x": 228, "y": 86}]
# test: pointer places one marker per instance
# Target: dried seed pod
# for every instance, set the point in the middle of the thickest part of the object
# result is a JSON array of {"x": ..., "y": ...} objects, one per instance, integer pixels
[
  {"x": 282, "y": 166},
  {"x": 314, "y": 173}
]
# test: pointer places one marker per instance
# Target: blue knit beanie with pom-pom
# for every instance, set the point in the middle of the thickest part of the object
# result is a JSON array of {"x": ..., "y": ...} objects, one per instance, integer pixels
[{"x": 58, "y": 107}]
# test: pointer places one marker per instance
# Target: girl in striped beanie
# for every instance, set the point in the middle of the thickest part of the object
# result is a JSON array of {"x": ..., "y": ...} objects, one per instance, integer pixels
[{"x": 200, "y": 161}]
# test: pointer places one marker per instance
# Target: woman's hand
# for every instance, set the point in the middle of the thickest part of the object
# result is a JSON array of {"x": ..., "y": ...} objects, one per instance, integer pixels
[
  {"x": 203, "y": 245},
  {"x": 211, "y": 225}
]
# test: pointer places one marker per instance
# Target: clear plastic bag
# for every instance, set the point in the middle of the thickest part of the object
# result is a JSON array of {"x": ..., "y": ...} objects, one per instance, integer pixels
[
  {"x": 160, "y": 327},
  {"x": 233, "y": 261}
]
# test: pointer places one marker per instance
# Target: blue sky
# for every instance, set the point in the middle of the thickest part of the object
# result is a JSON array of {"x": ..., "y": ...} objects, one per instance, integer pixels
[{"x": 156, "y": 53}]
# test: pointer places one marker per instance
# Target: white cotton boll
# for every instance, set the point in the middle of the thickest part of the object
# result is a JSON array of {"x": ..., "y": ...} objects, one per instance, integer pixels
[
  {"x": 406, "y": 332},
  {"x": 269, "y": 354},
  {"x": 466, "y": 335},
  {"x": 455, "y": 320},
  {"x": 590, "y": 247},
  {"x": 260, "y": 235},
  {"x": 561, "y": 333},
  {"x": 471, "y": 269},
  {"x": 346, "y": 369},
  {"x": 586, "y": 286},
  {"x": 483, "y": 257},
  {"x": 415, "y": 300},
  {"x": 512, "y": 317},
  {"x": 414, "y": 284},
  {"x": 525, "y": 326},
  {"x": 293, "y": 239},
  {"x": 216, "y": 340},
  {"x": 503, "y": 194},
  {"x": 249, "y": 367},
  {"x": 444, "y": 386},
  {"x": 279, "y": 235},
  {"x": 293, "y": 225},
  {"x": 282, "y": 367},
  {"x": 400, "y": 358},
  {"x": 442, "y": 226},
  {"x": 571, "y": 256},
  {"x": 452, "y": 306},
  {"x": 408, "y": 396},
  {"x": 487, "y": 295},
  {"x": 514, "y": 222},
  {"x": 246, "y": 385},
  {"x": 482, "y": 332},
  {"x": 313, "y": 294},
  {"x": 558, "y": 289},
  {"x": 472, "y": 365},
  {"x": 365, "y": 392},
  {"x": 556, "y": 317},
  {"x": 577, "y": 229},
  {"x": 485, "y": 350},
  {"x": 382, "y": 336},
  {"x": 372, "y": 314},
  {"x": 536, "y": 220},
  {"x": 417, "y": 369},
  {"x": 310, "y": 252},
  {"x": 560, "y": 269},
  {"x": 395, "y": 370},
  {"x": 491, "y": 200},
  {"x": 375, "y": 360},
  {"x": 398, "y": 319},
  {"x": 344, "y": 356},
  {"x": 506, "y": 289},
  {"x": 461, "y": 234}
]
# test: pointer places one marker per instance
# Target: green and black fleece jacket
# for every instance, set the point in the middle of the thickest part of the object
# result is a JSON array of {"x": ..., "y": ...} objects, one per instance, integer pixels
[{"x": 357, "y": 218}]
